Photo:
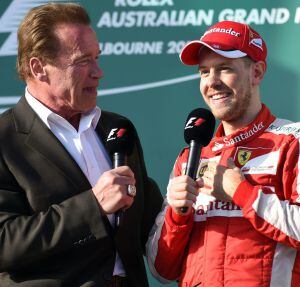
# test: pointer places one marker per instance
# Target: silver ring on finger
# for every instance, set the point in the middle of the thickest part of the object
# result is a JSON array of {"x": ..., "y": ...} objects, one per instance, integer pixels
[{"x": 131, "y": 190}]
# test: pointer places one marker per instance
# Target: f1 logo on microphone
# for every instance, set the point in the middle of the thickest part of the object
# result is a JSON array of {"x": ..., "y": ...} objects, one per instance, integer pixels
[
  {"x": 116, "y": 133},
  {"x": 194, "y": 122}
]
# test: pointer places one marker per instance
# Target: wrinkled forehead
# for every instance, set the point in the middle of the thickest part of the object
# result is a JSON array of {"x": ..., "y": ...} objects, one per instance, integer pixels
[
  {"x": 72, "y": 33},
  {"x": 76, "y": 38}
]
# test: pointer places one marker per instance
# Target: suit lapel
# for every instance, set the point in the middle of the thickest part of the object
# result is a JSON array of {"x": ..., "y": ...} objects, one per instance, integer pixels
[
  {"x": 102, "y": 129},
  {"x": 42, "y": 140}
]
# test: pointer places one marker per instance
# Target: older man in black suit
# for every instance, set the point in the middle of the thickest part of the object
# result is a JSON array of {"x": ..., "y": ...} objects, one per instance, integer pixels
[{"x": 58, "y": 191}]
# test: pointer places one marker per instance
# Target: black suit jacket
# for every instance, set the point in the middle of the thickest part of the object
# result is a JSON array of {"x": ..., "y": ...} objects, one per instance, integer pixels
[{"x": 52, "y": 232}]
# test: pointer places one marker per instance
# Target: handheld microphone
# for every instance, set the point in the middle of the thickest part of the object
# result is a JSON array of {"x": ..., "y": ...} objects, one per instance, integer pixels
[
  {"x": 198, "y": 132},
  {"x": 119, "y": 144}
]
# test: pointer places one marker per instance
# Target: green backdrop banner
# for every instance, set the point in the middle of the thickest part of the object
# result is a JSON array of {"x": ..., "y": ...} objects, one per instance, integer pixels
[{"x": 143, "y": 77}]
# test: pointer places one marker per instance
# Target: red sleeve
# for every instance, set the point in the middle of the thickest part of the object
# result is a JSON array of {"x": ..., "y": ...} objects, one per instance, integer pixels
[
  {"x": 169, "y": 237},
  {"x": 172, "y": 244},
  {"x": 276, "y": 218}
]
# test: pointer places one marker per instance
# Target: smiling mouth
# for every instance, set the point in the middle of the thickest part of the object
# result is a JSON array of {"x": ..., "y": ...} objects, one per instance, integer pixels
[{"x": 219, "y": 96}]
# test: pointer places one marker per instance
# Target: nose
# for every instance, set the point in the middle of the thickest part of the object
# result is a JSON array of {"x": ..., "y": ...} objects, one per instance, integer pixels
[
  {"x": 213, "y": 79},
  {"x": 96, "y": 71}
]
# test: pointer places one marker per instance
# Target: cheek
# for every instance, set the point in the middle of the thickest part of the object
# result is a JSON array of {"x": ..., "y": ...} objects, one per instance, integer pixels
[
  {"x": 79, "y": 74},
  {"x": 77, "y": 78},
  {"x": 202, "y": 86},
  {"x": 240, "y": 86}
]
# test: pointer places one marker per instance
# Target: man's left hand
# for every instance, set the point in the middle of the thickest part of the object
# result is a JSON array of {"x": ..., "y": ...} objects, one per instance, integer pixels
[{"x": 221, "y": 181}]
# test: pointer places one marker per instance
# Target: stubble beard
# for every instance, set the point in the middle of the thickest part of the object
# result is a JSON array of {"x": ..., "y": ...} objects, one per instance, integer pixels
[{"x": 237, "y": 110}]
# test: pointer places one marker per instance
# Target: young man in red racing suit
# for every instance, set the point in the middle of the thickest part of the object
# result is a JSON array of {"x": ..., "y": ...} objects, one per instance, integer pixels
[{"x": 242, "y": 227}]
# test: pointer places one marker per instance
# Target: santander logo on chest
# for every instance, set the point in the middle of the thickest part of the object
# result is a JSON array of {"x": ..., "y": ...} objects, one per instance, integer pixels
[{"x": 238, "y": 138}]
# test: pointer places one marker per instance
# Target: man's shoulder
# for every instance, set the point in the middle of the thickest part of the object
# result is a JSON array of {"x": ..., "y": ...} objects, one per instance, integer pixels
[
  {"x": 7, "y": 127},
  {"x": 16, "y": 119},
  {"x": 6, "y": 118},
  {"x": 107, "y": 118},
  {"x": 107, "y": 115}
]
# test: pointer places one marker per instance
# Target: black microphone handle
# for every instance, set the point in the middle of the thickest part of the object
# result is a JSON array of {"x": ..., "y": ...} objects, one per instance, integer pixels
[
  {"x": 119, "y": 159},
  {"x": 192, "y": 163},
  {"x": 193, "y": 159}
]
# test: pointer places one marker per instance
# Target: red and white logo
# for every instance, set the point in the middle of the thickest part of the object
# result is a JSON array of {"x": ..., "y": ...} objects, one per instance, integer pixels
[
  {"x": 116, "y": 133},
  {"x": 257, "y": 42},
  {"x": 194, "y": 122},
  {"x": 217, "y": 146}
]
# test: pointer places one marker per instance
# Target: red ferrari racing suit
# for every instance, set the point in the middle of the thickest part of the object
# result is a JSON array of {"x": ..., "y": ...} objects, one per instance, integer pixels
[{"x": 252, "y": 241}]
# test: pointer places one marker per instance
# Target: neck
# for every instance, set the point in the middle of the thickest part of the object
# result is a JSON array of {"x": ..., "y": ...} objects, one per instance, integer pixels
[
  {"x": 233, "y": 126},
  {"x": 73, "y": 117},
  {"x": 74, "y": 121}
]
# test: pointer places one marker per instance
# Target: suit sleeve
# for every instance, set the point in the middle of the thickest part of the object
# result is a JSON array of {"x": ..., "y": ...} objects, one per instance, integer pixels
[
  {"x": 27, "y": 237},
  {"x": 277, "y": 217},
  {"x": 166, "y": 247}
]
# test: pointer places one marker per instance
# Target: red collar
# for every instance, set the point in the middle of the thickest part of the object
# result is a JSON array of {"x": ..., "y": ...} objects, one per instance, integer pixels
[{"x": 253, "y": 130}]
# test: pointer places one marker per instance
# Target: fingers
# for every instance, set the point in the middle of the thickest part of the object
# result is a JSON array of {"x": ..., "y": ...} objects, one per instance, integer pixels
[
  {"x": 123, "y": 170},
  {"x": 222, "y": 180},
  {"x": 122, "y": 175},
  {"x": 126, "y": 201},
  {"x": 228, "y": 163},
  {"x": 231, "y": 164},
  {"x": 209, "y": 177},
  {"x": 111, "y": 189},
  {"x": 200, "y": 182},
  {"x": 183, "y": 189},
  {"x": 183, "y": 185},
  {"x": 182, "y": 192},
  {"x": 207, "y": 185}
]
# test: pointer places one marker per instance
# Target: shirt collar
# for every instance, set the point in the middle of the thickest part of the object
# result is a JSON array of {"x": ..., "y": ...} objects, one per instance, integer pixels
[
  {"x": 87, "y": 120},
  {"x": 240, "y": 137},
  {"x": 42, "y": 111}
]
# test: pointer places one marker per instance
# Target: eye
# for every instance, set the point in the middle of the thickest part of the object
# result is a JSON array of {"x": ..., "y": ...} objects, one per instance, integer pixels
[
  {"x": 83, "y": 61},
  {"x": 203, "y": 72},
  {"x": 225, "y": 68}
]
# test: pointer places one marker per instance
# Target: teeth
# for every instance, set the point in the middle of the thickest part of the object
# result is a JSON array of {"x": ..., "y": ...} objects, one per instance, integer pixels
[{"x": 219, "y": 96}]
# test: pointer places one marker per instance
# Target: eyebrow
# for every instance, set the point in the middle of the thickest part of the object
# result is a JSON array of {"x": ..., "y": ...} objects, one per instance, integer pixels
[
  {"x": 86, "y": 56},
  {"x": 218, "y": 65}
]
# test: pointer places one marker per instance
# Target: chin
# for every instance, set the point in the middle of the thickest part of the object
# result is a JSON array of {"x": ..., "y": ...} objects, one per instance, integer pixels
[
  {"x": 222, "y": 115},
  {"x": 89, "y": 108}
]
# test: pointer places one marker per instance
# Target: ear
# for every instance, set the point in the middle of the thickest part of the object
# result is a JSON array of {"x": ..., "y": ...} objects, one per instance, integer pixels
[
  {"x": 38, "y": 69},
  {"x": 258, "y": 72}
]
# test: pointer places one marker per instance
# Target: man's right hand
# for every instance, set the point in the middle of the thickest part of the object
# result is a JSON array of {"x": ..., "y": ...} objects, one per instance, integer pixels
[
  {"x": 111, "y": 189},
  {"x": 182, "y": 192}
]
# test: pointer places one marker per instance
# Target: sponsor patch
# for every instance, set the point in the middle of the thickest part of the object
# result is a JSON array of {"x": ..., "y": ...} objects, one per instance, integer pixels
[
  {"x": 257, "y": 42},
  {"x": 217, "y": 146},
  {"x": 208, "y": 206},
  {"x": 266, "y": 163},
  {"x": 229, "y": 31},
  {"x": 282, "y": 126},
  {"x": 243, "y": 156},
  {"x": 203, "y": 163}
]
